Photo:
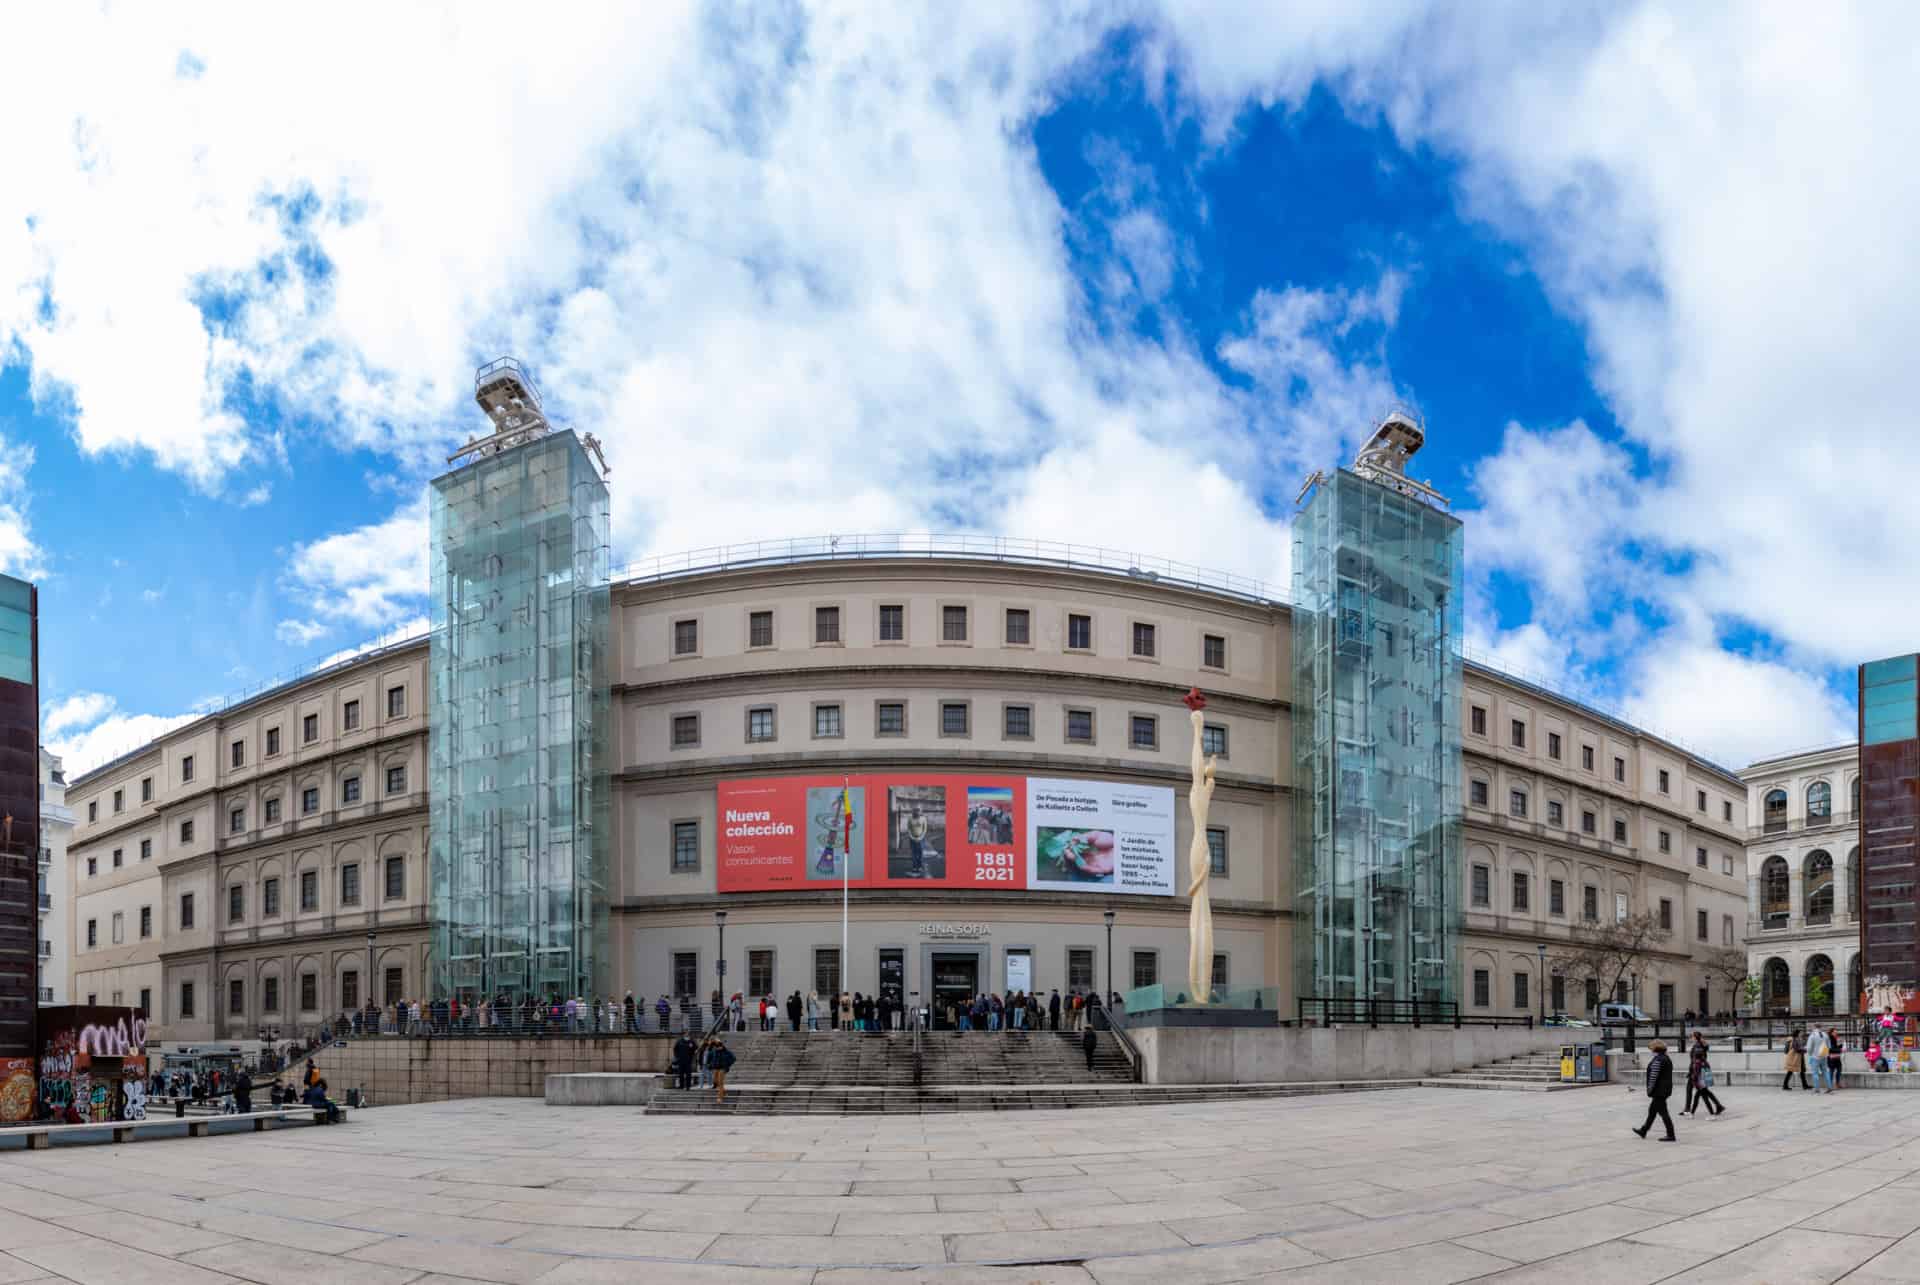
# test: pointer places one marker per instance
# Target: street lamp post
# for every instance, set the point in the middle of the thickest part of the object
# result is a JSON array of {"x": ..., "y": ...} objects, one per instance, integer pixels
[
  {"x": 1540, "y": 980},
  {"x": 370, "y": 991},
  {"x": 720, "y": 965},
  {"x": 1109, "y": 919},
  {"x": 1366, "y": 940}
]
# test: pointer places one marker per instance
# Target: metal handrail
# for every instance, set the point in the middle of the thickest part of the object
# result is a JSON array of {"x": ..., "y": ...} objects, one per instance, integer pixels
[{"x": 1115, "y": 1020}]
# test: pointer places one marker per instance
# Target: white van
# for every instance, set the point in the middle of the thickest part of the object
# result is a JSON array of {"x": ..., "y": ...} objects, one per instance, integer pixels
[{"x": 1621, "y": 1015}]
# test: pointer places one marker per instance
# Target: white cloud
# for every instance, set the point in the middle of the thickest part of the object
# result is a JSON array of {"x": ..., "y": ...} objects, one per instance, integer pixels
[
  {"x": 300, "y": 632},
  {"x": 82, "y": 709},
  {"x": 88, "y": 729},
  {"x": 19, "y": 555},
  {"x": 369, "y": 577},
  {"x": 1732, "y": 707},
  {"x": 153, "y": 595},
  {"x": 256, "y": 496},
  {"x": 401, "y": 632}
]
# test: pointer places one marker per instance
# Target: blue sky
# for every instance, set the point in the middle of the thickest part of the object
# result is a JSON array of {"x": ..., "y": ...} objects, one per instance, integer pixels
[{"x": 1116, "y": 273}]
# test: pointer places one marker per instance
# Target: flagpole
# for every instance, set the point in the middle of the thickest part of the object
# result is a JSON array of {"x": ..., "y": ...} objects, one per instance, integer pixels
[{"x": 846, "y": 873}]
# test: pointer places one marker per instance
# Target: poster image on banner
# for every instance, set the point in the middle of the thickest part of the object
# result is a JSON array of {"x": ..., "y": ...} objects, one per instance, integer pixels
[
  {"x": 827, "y": 834},
  {"x": 917, "y": 833},
  {"x": 1100, "y": 836}
]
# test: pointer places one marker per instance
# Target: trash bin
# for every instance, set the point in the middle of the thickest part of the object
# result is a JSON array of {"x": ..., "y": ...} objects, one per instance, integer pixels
[
  {"x": 1566, "y": 1064},
  {"x": 1582, "y": 1069},
  {"x": 353, "y": 1098},
  {"x": 1597, "y": 1063}
]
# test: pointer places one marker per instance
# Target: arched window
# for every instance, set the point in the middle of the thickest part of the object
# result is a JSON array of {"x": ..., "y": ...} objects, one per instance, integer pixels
[
  {"x": 1776, "y": 905},
  {"x": 1850, "y": 874},
  {"x": 1774, "y": 811},
  {"x": 1777, "y": 989},
  {"x": 1819, "y": 986},
  {"x": 1819, "y": 803},
  {"x": 1856, "y": 796},
  {"x": 1819, "y": 882}
]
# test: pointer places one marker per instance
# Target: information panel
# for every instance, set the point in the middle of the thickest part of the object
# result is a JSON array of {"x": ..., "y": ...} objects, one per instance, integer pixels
[{"x": 1099, "y": 836}]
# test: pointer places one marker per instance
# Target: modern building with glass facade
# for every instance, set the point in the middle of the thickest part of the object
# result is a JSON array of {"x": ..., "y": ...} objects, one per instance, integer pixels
[
  {"x": 1377, "y": 685},
  {"x": 20, "y": 804},
  {"x": 1890, "y": 822},
  {"x": 518, "y": 720}
]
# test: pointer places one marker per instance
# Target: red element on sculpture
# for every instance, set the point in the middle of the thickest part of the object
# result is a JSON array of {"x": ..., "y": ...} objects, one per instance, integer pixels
[{"x": 1193, "y": 699}]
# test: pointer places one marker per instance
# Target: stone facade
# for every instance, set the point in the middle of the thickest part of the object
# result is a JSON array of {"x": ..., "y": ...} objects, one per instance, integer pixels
[{"x": 1802, "y": 865}]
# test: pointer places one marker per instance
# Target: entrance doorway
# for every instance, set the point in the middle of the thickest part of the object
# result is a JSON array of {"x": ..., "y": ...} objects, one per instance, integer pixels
[{"x": 956, "y": 979}]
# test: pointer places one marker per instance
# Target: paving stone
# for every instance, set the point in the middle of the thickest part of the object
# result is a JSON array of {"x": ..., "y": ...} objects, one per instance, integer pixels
[
  {"x": 1439, "y": 1264},
  {"x": 1788, "y": 1257},
  {"x": 1547, "y": 1237},
  {"x": 1616, "y": 1262},
  {"x": 1203, "y": 1265},
  {"x": 151, "y": 1234},
  {"x": 284, "y": 1265},
  {"x": 792, "y": 1251},
  {"x": 98, "y": 1262}
]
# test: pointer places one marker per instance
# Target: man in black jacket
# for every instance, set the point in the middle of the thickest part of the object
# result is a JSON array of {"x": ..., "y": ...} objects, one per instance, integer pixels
[
  {"x": 683, "y": 1062},
  {"x": 1053, "y": 1011},
  {"x": 1659, "y": 1089}
]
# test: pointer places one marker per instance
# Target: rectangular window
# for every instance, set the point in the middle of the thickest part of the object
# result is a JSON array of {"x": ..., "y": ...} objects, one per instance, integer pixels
[
  {"x": 236, "y": 997},
  {"x": 759, "y": 972},
  {"x": 93, "y": 810},
  {"x": 395, "y": 985},
  {"x": 146, "y": 849},
  {"x": 1665, "y": 1012},
  {"x": 1079, "y": 969},
  {"x": 146, "y": 921},
  {"x": 350, "y": 884},
  {"x": 1079, "y": 633},
  {"x": 1726, "y": 930},
  {"x": 309, "y": 890},
  {"x": 239, "y": 753},
  {"x": 119, "y": 927},
  {"x": 1619, "y": 830},
  {"x": 397, "y": 780},
  {"x": 1700, "y": 924},
  {"x": 93, "y": 933},
  {"x": 350, "y": 716},
  {"x": 186, "y": 911},
  {"x": 1143, "y": 732},
  {"x": 1555, "y": 813},
  {"x": 1553, "y": 745},
  {"x": 309, "y": 993},
  {"x": 1588, "y": 822},
  {"x": 1479, "y": 720},
  {"x": 119, "y": 800},
  {"x": 1520, "y": 890},
  {"x": 1559, "y": 994},
  {"x": 273, "y": 741},
  {"x": 1213, "y": 739},
  {"x": 117, "y": 861},
  {"x": 1726, "y": 864},
  {"x": 1482, "y": 988},
  {"x": 310, "y": 729},
  {"x": 1213, "y": 651},
  {"x": 1482, "y": 885},
  {"x": 1700, "y": 800},
  {"x": 953, "y": 718},
  {"x": 1143, "y": 640},
  {"x": 826, "y": 624},
  {"x": 686, "y": 637},
  {"x": 1666, "y": 915},
  {"x": 1586, "y": 757},
  {"x": 760, "y": 629},
  {"x": 827, "y": 723},
  {"x": 1520, "y": 998},
  {"x": 310, "y": 800},
  {"x": 686, "y": 972},
  {"x": 186, "y": 832},
  {"x": 1726, "y": 811},
  {"x": 760, "y": 723},
  {"x": 1517, "y": 803},
  {"x": 686, "y": 846},
  {"x": 1019, "y": 627},
  {"x": 396, "y": 878},
  {"x": 1219, "y": 969},
  {"x": 236, "y": 820},
  {"x": 350, "y": 989},
  {"x": 1619, "y": 907},
  {"x": 93, "y": 866},
  {"x": 146, "y": 789},
  {"x": 1593, "y": 993},
  {"x": 1477, "y": 793},
  {"x": 953, "y": 623},
  {"x": 1216, "y": 850},
  {"x": 270, "y": 898},
  {"x": 350, "y": 789},
  {"x": 186, "y": 999},
  {"x": 1018, "y": 722},
  {"x": 1620, "y": 769},
  {"x": 236, "y": 903},
  {"x": 146, "y": 1000},
  {"x": 890, "y": 719},
  {"x": 270, "y": 994},
  {"x": 1664, "y": 781},
  {"x": 186, "y": 767},
  {"x": 826, "y": 970},
  {"x": 1519, "y": 735},
  {"x": 686, "y": 731},
  {"x": 1700, "y": 858},
  {"x": 893, "y": 622},
  {"x": 1146, "y": 968},
  {"x": 1590, "y": 904},
  {"x": 396, "y": 702},
  {"x": 1557, "y": 897},
  {"x": 272, "y": 810},
  {"x": 1666, "y": 841},
  {"x": 1080, "y": 726}
]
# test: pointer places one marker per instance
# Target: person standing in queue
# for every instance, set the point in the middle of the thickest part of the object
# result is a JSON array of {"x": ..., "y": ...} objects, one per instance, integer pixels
[
  {"x": 1088, "y": 1042},
  {"x": 1659, "y": 1089},
  {"x": 1053, "y": 1011}
]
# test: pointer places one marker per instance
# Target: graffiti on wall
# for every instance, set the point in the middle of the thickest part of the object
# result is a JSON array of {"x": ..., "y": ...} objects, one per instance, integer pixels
[
  {"x": 16, "y": 1089},
  {"x": 117, "y": 1040},
  {"x": 69, "y": 1076},
  {"x": 1883, "y": 995}
]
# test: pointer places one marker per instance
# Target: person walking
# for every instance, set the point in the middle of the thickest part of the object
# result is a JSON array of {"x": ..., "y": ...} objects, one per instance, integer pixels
[
  {"x": 1817, "y": 1047},
  {"x": 243, "y": 1092},
  {"x": 723, "y": 1060},
  {"x": 1088, "y": 1043},
  {"x": 1659, "y": 1089},
  {"x": 1834, "y": 1049},
  {"x": 1796, "y": 1061},
  {"x": 1700, "y": 1079}
]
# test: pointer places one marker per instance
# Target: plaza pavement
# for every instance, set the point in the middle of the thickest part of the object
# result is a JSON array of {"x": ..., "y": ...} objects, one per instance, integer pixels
[{"x": 1405, "y": 1186}]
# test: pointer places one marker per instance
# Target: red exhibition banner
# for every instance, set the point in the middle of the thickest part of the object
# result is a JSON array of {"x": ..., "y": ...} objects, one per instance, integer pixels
[{"x": 939, "y": 830}]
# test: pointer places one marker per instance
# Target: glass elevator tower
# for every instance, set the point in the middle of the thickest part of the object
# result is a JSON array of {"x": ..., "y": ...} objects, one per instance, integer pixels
[
  {"x": 519, "y": 717},
  {"x": 1376, "y": 730}
]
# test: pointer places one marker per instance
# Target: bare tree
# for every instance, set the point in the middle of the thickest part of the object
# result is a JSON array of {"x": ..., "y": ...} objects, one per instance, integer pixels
[
  {"x": 1607, "y": 952},
  {"x": 1728, "y": 965}
]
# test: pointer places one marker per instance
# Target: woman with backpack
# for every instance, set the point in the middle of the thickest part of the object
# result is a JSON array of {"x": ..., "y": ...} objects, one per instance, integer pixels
[
  {"x": 1700, "y": 1079},
  {"x": 723, "y": 1060},
  {"x": 1834, "y": 1049}
]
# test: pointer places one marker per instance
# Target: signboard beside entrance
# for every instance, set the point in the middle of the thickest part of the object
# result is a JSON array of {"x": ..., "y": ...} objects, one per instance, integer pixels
[{"x": 1019, "y": 970}]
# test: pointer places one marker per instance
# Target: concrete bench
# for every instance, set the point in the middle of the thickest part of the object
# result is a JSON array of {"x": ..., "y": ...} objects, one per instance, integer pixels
[
  {"x": 39, "y": 1137},
  {"x": 603, "y": 1088}
]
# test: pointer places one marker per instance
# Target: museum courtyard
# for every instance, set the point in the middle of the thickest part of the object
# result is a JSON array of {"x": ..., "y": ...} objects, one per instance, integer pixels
[{"x": 1402, "y": 1185}]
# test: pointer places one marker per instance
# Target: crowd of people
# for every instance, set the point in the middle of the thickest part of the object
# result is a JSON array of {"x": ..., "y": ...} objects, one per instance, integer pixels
[
  {"x": 854, "y": 1011},
  {"x": 1815, "y": 1054}
]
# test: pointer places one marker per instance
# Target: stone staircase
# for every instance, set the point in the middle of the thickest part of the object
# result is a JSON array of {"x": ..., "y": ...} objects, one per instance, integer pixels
[
  {"x": 877, "y": 1059},
  {"x": 841, "y": 1100},
  {"x": 1529, "y": 1073}
]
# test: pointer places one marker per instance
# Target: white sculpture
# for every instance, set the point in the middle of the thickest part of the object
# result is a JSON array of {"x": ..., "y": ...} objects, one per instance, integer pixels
[{"x": 1199, "y": 864}]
